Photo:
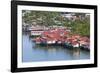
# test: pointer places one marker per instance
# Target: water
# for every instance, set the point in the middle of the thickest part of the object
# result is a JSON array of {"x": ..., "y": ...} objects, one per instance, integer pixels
[{"x": 32, "y": 52}]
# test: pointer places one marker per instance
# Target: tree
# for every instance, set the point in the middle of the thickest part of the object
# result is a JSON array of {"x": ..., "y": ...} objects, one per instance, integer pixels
[{"x": 44, "y": 18}]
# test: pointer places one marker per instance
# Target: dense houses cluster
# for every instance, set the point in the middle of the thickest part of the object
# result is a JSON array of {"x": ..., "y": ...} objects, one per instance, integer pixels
[{"x": 62, "y": 37}]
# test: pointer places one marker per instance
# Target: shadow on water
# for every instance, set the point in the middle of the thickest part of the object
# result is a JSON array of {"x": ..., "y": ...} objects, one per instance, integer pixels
[{"x": 73, "y": 52}]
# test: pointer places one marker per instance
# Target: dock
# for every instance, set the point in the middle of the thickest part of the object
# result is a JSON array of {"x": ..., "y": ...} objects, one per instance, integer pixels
[{"x": 61, "y": 37}]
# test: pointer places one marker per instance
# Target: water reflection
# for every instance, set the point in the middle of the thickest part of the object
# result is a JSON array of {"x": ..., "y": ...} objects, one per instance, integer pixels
[{"x": 33, "y": 52}]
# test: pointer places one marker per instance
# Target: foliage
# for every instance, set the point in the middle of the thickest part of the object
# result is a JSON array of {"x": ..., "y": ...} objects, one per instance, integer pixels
[{"x": 79, "y": 26}]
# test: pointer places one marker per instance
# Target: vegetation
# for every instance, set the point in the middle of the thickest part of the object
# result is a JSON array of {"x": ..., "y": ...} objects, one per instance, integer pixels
[{"x": 81, "y": 25}]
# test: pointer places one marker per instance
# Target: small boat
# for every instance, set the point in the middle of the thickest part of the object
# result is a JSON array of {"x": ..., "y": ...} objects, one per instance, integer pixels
[
  {"x": 76, "y": 45},
  {"x": 50, "y": 41},
  {"x": 59, "y": 42},
  {"x": 37, "y": 40},
  {"x": 85, "y": 47}
]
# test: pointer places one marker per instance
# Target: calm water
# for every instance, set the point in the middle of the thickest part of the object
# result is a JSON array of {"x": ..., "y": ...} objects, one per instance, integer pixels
[{"x": 33, "y": 52}]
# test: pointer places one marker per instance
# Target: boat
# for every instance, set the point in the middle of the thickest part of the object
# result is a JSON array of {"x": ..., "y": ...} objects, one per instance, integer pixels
[
  {"x": 85, "y": 43},
  {"x": 75, "y": 45},
  {"x": 85, "y": 47}
]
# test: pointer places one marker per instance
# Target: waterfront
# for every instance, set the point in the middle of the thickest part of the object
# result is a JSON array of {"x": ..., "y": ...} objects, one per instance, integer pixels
[{"x": 32, "y": 52}]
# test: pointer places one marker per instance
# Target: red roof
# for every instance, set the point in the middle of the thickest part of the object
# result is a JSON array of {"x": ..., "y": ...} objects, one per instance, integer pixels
[
  {"x": 55, "y": 34},
  {"x": 74, "y": 43},
  {"x": 60, "y": 35},
  {"x": 85, "y": 39}
]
